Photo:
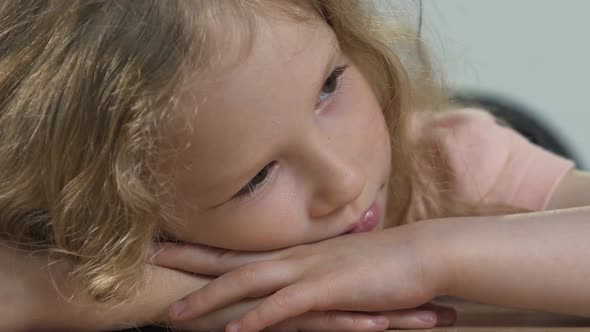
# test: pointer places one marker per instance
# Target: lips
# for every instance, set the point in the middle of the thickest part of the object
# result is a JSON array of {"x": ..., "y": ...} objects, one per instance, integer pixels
[{"x": 368, "y": 221}]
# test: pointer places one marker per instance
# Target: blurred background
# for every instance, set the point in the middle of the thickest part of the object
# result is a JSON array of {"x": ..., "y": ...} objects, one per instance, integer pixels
[{"x": 533, "y": 52}]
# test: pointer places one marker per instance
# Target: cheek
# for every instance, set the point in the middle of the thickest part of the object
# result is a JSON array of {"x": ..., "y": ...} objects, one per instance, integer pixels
[
  {"x": 272, "y": 221},
  {"x": 274, "y": 224},
  {"x": 362, "y": 121}
]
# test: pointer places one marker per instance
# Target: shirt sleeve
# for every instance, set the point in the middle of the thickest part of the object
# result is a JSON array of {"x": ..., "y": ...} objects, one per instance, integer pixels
[{"x": 491, "y": 163}]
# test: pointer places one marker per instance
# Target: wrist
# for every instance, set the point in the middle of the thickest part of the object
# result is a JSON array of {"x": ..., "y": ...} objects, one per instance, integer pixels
[
  {"x": 29, "y": 286},
  {"x": 60, "y": 303},
  {"x": 437, "y": 253},
  {"x": 64, "y": 304}
]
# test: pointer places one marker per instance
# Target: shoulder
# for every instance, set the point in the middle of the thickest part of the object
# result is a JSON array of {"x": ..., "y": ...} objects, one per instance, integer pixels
[
  {"x": 455, "y": 122},
  {"x": 488, "y": 162}
]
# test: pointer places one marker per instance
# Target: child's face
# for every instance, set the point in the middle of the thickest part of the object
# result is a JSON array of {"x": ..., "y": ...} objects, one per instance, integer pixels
[{"x": 283, "y": 152}]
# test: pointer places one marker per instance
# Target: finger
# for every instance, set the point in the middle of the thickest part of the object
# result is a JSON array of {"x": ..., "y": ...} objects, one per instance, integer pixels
[
  {"x": 445, "y": 316},
  {"x": 288, "y": 302},
  {"x": 411, "y": 319},
  {"x": 203, "y": 259},
  {"x": 332, "y": 321},
  {"x": 217, "y": 320},
  {"x": 186, "y": 257},
  {"x": 300, "y": 298},
  {"x": 355, "y": 321},
  {"x": 254, "y": 280}
]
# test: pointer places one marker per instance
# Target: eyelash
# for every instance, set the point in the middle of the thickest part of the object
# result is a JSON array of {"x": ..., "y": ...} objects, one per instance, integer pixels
[
  {"x": 254, "y": 184},
  {"x": 335, "y": 75}
]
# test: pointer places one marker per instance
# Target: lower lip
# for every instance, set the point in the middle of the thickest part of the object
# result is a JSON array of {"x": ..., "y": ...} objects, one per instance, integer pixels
[{"x": 369, "y": 221}]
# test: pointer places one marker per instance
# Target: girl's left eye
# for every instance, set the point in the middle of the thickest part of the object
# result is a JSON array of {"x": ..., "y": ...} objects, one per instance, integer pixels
[
  {"x": 332, "y": 84},
  {"x": 257, "y": 181}
]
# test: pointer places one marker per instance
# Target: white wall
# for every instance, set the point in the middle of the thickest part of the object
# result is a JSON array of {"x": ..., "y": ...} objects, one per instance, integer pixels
[{"x": 535, "y": 51}]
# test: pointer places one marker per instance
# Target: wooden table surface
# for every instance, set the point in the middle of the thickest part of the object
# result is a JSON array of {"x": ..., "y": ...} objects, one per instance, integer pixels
[{"x": 485, "y": 318}]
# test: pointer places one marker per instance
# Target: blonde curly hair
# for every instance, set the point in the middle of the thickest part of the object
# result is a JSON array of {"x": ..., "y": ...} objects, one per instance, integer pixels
[{"x": 86, "y": 87}]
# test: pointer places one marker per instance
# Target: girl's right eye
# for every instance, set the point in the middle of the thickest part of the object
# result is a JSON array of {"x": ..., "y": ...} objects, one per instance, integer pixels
[
  {"x": 257, "y": 181},
  {"x": 331, "y": 85}
]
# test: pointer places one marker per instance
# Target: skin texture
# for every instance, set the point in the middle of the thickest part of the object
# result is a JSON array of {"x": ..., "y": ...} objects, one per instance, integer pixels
[{"x": 332, "y": 157}]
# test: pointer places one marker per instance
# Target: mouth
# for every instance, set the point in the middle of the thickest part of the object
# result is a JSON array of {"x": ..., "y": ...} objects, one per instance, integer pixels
[{"x": 367, "y": 222}]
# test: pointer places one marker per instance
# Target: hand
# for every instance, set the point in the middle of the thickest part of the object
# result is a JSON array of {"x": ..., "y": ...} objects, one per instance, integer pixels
[
  {"x": 377, "y": 271},
  {"x": 425, "y": 317}
]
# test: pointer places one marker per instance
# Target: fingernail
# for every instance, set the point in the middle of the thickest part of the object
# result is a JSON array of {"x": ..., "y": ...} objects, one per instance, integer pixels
[
  {"x": 446, "y": 317},
  {"x": 427, "y": 316},
  {"x": 379, "y": 321},
  {"x": 233, "y": 327},
  {"x": 178, "y": 307}
]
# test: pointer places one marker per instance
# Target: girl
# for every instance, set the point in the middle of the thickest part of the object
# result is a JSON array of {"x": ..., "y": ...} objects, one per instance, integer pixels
[
  {"x": 271, "y": 127},
  {"x": 97, "y": 109}
]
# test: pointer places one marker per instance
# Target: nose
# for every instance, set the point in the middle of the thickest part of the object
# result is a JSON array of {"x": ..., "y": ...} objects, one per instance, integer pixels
[{"x": 337, "y": 182}]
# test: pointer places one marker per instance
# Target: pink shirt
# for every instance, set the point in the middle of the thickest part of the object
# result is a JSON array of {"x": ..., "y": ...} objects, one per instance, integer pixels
[{"x": 492, "y": 163}]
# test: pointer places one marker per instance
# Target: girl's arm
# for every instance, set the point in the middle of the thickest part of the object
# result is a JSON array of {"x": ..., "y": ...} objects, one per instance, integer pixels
[
  {"x": 535, "y": 261},
  {"x": 538, "y": 260},
  {"x": 573, "y": 191},
  {"x": 31, "y": 302}
]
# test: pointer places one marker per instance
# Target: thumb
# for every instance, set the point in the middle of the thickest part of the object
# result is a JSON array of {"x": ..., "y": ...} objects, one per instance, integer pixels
[{"x": 202, "y": 259}]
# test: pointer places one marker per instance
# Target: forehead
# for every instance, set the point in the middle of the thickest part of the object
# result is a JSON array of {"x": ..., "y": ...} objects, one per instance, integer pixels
[
  {"x": 283, "y": 52},
  {"x": 241, "y": 105}
]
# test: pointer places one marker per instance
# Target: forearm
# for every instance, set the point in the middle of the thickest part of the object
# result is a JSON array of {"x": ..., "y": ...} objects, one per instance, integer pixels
[
  {"x": 32, "y": 300},
  {"x": 536, "y": 261},
  {"x": 162, "y": 288}
]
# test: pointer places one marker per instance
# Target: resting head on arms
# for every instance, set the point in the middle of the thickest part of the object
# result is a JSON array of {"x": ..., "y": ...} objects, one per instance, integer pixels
[
  {"x": 239, "y": 124},
  {"x": 243, "y": 125}
]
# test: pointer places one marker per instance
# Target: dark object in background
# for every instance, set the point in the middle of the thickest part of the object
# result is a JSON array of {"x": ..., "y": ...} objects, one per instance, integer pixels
[{"x": 523, "y": 120}]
